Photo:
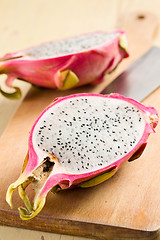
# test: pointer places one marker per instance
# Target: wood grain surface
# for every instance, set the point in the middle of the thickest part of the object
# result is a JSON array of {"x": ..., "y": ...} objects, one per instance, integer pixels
[{"x": 124, "y": 207}]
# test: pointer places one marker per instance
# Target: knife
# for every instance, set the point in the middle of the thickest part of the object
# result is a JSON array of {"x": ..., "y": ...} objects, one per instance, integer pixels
[{"x": 140, "y": 79}]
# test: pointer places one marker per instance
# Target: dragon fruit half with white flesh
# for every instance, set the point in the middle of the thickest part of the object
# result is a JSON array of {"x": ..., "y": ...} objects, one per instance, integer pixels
[
  {"x": 81, "y": 140},
  {"x": 66, "y": 63}
]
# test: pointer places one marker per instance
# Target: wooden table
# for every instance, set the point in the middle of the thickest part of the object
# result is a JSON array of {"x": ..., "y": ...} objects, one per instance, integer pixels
[{"x": 26, "y": 23}]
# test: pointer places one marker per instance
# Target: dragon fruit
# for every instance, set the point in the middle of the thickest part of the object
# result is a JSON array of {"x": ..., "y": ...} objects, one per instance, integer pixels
[
  {"x": 66, "y": 63},
  {"x": 81, "y": 140}
]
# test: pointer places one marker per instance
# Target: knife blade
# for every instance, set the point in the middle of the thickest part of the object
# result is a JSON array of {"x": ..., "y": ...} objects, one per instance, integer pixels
[{"x": 140, "y": 79}]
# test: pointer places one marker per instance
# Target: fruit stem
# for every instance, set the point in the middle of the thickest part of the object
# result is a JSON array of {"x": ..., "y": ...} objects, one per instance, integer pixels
[
  {"x": 13, "y": 187},
  {"x": 39, "y": 178},
  {"x": 17, "y": 92},
  {"x": 31, "y": 213},
  {"x": 24, "y": 197}
]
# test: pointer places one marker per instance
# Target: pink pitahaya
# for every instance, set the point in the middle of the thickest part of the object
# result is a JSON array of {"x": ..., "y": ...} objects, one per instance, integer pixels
[
  {"x": 81, "y": 139},
  {"x": 66, "y": 63}
]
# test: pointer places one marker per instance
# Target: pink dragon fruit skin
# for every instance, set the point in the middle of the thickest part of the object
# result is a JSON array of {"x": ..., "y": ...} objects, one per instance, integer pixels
[
  {"x": 57, "y": 177},
  {"x": 67, "y": 69}
]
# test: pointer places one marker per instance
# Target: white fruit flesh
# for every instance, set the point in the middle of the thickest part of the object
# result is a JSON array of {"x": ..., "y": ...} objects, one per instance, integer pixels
[
  {"x": 70, "y": 45},
  {"x": 88, "y": 133}
]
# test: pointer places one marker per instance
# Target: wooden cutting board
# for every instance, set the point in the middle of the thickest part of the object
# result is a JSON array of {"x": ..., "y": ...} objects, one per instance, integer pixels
[{"x": 126, "y": 206}]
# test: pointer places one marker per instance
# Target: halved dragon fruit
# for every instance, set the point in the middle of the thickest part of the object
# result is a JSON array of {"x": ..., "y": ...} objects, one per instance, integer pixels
[
  {"x": 66, "y": 63},
  {"x": 81, "y": 139}
]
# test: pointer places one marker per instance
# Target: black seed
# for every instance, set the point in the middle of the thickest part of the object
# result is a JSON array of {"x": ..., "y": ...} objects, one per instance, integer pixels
[{"x": 115, "y": 140}]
